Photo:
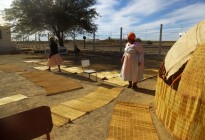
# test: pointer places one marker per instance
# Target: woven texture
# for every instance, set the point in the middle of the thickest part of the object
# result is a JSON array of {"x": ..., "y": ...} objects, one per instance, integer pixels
[
  {"x": 71, "y": 110},
  {"x": 33, "y": 61},
  {"x": 182, "y": 115},
  {"x": 131, "y": 121},
  {"x": 184, "y": 48},
  {"x": 44, "y": 68},
  {"x": 11, "y": 68},
  {"x": 102, "y": 66},
  {"x": 108, "y": 74},
  {"x": 52, "y": 83},
  {"x": 72, "y": 69},
  {"x": 117, "y": 81},
  {"x": 67, "y": 112},
  {"x": 182, "y": 111}
]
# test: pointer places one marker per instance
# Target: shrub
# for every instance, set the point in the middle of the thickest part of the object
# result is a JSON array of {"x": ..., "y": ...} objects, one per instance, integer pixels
[
  {"x": 149, "y": 42},
  {"x": 138, "y": 40}
]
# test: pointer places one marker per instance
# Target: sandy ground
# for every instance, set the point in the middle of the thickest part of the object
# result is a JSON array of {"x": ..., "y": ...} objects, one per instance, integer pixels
[{"x": 92, "y": 126}]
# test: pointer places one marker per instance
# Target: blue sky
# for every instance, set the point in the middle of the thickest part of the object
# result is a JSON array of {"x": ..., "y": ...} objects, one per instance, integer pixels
[{"x": 144, "y": 17}]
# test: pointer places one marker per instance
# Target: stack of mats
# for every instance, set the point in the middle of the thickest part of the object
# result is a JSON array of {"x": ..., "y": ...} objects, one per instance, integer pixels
[
  {"x": 51, "y": 82},
  {"x": 131, "y": 121},
  {"x": 71, "y": 110}
]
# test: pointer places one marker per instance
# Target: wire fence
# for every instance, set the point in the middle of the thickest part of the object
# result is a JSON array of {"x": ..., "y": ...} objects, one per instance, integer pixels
[
  {"x": 169, "y": 33},
  {"x": 106, "y": 41}
]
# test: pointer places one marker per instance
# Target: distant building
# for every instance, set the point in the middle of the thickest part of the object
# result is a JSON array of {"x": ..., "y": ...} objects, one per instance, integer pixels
[{"x": 5, "y": 40}]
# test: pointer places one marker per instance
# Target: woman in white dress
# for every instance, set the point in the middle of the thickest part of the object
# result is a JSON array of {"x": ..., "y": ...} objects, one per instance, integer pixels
[{"x": 131, "y": 61}]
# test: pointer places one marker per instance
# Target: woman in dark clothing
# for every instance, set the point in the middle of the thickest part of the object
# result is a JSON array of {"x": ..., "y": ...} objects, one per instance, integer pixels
[
  {"x": 54, "y": 58},
  {"x": 76, "y": 52}
]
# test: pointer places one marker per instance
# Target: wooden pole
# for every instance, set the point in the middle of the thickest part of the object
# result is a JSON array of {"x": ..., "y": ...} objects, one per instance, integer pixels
[
  {"x": 160, "y": 41},
  {"x": 121, "y": 39},
  {"x": 94, "y": 41}
]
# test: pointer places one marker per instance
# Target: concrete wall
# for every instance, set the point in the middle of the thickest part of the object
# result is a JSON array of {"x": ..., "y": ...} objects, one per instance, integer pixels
[{"x": 5, "y": 40}]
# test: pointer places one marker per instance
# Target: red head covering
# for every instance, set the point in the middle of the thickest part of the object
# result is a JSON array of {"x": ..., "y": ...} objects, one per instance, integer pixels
[{"x": 131, "y": 36}]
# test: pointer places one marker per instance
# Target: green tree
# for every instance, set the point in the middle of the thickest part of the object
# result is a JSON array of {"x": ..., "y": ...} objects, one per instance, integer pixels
[
  {"x": 138, "y": 40},
  {"x": 60, "y": 17}
]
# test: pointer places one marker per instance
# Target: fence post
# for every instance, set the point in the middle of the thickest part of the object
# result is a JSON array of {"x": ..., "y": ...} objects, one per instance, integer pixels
[
  {"x": 94, "y": 41},
  {"x": 48, "y": 36},
  {"x": 35, "y": 37},
  {"x": 39, "y": 37},
  {"x": 160, "y": 41},
  {"x": 120, "y": 39},
  {"x": 74, "y": 40}
]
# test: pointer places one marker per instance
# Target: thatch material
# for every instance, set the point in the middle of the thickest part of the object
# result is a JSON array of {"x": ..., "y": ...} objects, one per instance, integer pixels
[
  {"x": 108, "y": 74},
  {"x": 131, "y": 121},
  {"x": 182, "y": 111},
  {"x": 59, "y": 120},
  {"x": 11, "y": 68},
  {"x": 183, "y": 49},
  {"x": 117, "y": 81},
  {"x": 67, "y": 112},
  {"x": 43, "y": 68},
  {"x": 150, "y": 73},
  {"x": 102, "y": 66},
  {"x": 13, "y": 98},
  {"x": 73, "y": 69},
  {"x": 52, "y": 83},
  {"x": 33, "y": 61},
  {"x": 79, "y": 105},
  {"x": 180, "y": 92},
  {"x": 192, "y": 81},
  {"x": 74, "y": 109},
  {"x": 43, "y": 63}
]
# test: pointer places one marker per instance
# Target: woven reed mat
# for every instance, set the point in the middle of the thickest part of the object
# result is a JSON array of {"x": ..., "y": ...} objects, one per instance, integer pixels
[
  {"x": 72, "y": 69},
  {"x": 62, "y": 114},
  {"x": 151, "y": 72},
  {"x": 71, "y": 110},
  {"x": 100, "y": 97},
  {"x": 33, "y": 61},
  {"x": 107, "y": 74},
  {"x": 131, "y": 121},
  {"x": 102, "y": 66},
  {"x": 45, "y": 62},
  {"x": 51, "y": 82},
  {"x": 13, "y": 98},
  {"x": 44, "y": 68},
  {"x": 117, "y": 81},
  {"x": 11, "y": 68}
]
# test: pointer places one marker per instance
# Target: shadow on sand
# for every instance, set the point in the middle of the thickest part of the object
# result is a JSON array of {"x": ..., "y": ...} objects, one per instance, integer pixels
[{"x": 146, "y": 91}]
